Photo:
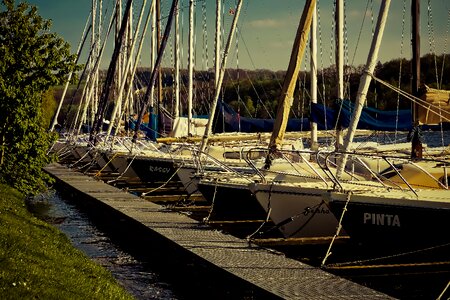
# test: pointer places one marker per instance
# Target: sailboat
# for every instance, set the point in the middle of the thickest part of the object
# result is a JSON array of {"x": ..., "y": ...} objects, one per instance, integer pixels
[
  {"x": 417, "y": 214},
  {"x": 296, "y": 206}
]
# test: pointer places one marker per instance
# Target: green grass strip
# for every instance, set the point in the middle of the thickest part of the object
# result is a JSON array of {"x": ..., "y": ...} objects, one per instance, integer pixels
[{"x": 37, "y": 261}]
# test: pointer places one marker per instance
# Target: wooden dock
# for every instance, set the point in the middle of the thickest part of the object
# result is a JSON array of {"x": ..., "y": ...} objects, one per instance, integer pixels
[{"x": 269, "y": 272}]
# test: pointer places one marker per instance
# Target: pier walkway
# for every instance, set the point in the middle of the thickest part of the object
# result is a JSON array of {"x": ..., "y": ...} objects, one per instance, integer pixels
[{"x": 269, "y": 272}]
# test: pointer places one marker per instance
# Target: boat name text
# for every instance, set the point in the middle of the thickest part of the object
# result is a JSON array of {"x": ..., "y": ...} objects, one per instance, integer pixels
[
  {"x": 317, "y": 210},
  {"x": 156, "y": 169},
  {"x": 381, "y": 219}
]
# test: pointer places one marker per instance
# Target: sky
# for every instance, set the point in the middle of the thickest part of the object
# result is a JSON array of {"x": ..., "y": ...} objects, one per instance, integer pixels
[{"x": 266, "y": 30}]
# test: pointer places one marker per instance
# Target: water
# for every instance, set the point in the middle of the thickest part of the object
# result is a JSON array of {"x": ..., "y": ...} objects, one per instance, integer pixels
[{"x": 135, "y": 274}]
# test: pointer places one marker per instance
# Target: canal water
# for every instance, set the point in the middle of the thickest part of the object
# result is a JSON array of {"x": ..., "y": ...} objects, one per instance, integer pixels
[{"x": 133, "y": 273}]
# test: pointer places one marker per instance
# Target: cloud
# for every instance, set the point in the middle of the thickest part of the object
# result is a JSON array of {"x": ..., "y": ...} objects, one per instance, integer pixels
[
  {"x": 279, "y": 44},
  {"x": 266, "y": 23},
  {"x": 355, "y": 14}
]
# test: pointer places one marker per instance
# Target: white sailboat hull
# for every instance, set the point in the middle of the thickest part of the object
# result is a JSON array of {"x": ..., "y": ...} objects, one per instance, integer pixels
[{"x": 296, "y": 211}]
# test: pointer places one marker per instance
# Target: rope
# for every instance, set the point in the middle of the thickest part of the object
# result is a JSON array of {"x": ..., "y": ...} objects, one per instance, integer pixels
[
  {"x": 206, "y": 220},
  {"x": 126, "y": 169},
  {"x": 386, "y": 257},
  {"x": 164, "y": 184},
  {"x": 338, "y": 230},
  {"x": 443, "y": 292},
  {"x": 269, "y": 211},
  {"x": 99, "y": 172}
]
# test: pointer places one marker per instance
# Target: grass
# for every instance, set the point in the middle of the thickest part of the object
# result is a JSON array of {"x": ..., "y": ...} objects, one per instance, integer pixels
[{"x": 37, "y": 261}]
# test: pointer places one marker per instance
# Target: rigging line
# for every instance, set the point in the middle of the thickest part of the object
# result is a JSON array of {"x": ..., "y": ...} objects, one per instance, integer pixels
[
  {"x": 323, "y": 94},
  {"x": 251, "y": 82},
  {"x": 445, "y": 46},
  {"x": 431, "y": 41},
  {"x": 251, "y": 59},
  {"x": 80, "y": 47},
  {"x": 423, "y": 103},
  {"x": 360, "y": 32},
  {"x": 400, "y": 69},
  {"x": 346, "y": 55},
  {"x": 99, "y": 56}
]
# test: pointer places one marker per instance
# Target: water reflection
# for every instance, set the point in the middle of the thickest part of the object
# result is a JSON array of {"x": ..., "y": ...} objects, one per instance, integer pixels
[{"x": 135, "y": 275}]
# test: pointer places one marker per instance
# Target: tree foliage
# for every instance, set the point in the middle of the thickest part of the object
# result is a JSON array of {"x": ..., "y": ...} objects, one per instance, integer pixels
[{"x": 33, "y": 60}]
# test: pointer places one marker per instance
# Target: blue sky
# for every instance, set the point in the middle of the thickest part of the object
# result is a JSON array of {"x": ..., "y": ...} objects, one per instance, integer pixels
[{"x": 267, "y": 29}]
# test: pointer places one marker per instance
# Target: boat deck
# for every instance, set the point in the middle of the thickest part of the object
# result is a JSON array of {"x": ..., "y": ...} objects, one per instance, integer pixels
[{"x": 268, "y": 271}]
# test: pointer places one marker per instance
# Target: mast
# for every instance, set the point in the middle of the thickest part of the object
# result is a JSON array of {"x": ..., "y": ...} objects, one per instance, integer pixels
[
  {"x": 364, "y": 82},
  {"x": 217, "y": 46},
  {"x": 156, "y": 68},
  {"x": 153, "y": 53},
  {"x": 339, "y": 64},
  {"x": 125, "y": 72},
  {"x": 94, "y": 85},
  {"x": 121, "y": 59},
  {"x": 176, "y": 112},
  {"x": 128, "y": 97},
  {"x": 313, "y": 67},
  {"x": 110, "y": 75},
  {"x": 69, "y": 77},
  {"x": 416, "y": 144},
  {"x": 155, "y": 111},
  {"x": 208, "y": 128},
  {"x": 190, "y": 63},
  {"x": 290, "y": 80},
  {"x": 87, "y": 94}
]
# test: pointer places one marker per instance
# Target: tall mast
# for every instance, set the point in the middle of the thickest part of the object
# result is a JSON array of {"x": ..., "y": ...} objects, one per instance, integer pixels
[
  {"x": 69, "y": 77},
  {"x": 128, "y": 97},
  {"x": 121, "y": 55},
  {"x": 176, "y": 112},
  {"x": 313, "y": 67},
  {"x": 190, "y": 63},
  {"x": 339, "y": 63},
  {"x": 98, "y": 121},
  {"x": 159, "y": 92},
  {"x": 94, "y": 85},
  {"x": 156, "y": 68},
  {"x": 126, "y": 70},
  {"x": 220, "y": 75},
  {"x": 365, "y": 82},
  {"x": 416, "y": 144},
  {"x": 287, "y": 92},
  {"x": 217, "y": 46},
  {"x": 153, "y": 52}
]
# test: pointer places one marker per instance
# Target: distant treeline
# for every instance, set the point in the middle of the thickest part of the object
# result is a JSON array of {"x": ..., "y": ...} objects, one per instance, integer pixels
[{"x": 256, "y": 93}]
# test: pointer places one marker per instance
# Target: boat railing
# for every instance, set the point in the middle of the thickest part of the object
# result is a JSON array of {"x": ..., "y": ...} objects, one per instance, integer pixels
[
  {"x": 393, "y": 161},
  {"x": 201, "y": 158},
  {"x": 324, "y": 165},
  {"x": 360, "y": 172},
  {"x": 400, "y": 175}
]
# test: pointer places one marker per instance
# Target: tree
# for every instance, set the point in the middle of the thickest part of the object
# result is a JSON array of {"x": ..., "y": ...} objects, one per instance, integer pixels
[{"x": 33, "y": 60}]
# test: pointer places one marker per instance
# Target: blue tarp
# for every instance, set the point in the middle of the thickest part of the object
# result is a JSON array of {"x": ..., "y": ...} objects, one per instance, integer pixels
[
  {"x": 371, "y": 118},
  {"x": 233, "y": 120}
]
